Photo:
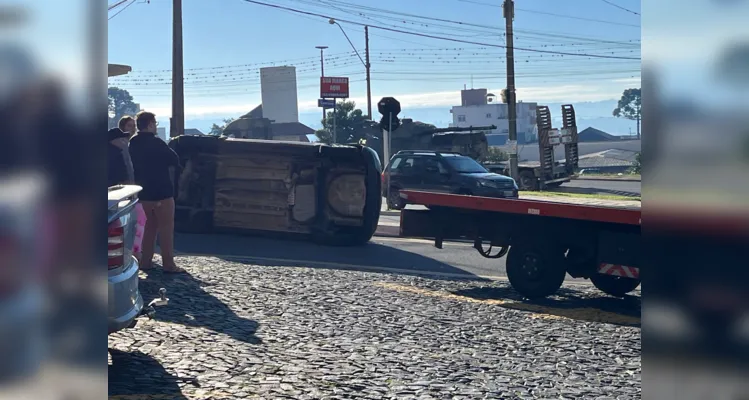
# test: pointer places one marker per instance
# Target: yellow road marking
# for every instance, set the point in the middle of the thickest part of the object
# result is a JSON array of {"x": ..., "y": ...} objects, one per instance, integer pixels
[{"x": 544, "y": 312}]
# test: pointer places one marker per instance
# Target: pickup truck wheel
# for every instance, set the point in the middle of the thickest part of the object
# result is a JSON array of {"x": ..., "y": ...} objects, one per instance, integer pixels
[
  {"x": 395, "y": 201},
  {"x": 617, "y": 286},
  {"x": 535, "y": 271},
  {"x": 527, "y": 181}
]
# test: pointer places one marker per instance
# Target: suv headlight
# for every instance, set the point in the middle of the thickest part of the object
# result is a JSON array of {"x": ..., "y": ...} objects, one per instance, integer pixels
[{"x": 487, "y": 183}]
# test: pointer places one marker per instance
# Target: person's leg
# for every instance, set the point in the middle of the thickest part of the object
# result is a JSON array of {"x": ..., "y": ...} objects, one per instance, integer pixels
[
  {"x": 149, "y": 234},
  {"x": 165, "y": 215}
]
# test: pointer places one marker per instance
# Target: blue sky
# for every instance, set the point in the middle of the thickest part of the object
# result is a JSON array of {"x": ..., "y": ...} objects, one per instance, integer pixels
[{"x": 235, "y": 38}]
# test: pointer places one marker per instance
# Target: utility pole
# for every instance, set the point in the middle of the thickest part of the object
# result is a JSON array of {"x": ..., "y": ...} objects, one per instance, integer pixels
[
  {"x": 335, "y": 134},
  {"x": 509, "y": 13},
  {"x": 177, "y": 124},
  {"x": 369, "y": 89},
  {"x": 322, "y": 71}
]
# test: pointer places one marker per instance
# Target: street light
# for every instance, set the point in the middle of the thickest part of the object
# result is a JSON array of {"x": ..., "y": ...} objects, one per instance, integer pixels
[
  {"x": 366, "y": 64},
  {"x": 322, "y": 70}
]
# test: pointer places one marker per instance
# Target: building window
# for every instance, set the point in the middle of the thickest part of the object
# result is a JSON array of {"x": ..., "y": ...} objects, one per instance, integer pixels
[
  {"x": 461, "y": 118},
  {"x": 488, "y": 115}
]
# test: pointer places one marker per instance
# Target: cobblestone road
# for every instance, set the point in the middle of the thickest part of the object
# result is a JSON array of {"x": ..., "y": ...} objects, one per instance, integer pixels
[{"x": 234, "y": 330}]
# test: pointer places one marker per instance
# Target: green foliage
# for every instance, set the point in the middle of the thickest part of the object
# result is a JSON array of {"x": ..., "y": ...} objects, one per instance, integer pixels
[
  {"x": 218, "y": 130},
  {"x": 120, "y": 102},
  {"x": 637, "y": 167},
  {"x": 496, "y": 155},
  {"x": 503, "y": 95},
  {"x": 630, "y": 106},
  {"x": 349, "y": 122}
]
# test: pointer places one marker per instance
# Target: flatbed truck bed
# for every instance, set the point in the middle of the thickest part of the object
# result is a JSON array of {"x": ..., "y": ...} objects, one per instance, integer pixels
[{"x": 544, "y": 238}]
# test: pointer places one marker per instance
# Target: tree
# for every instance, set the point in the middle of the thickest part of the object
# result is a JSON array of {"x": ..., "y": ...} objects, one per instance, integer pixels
[
  {"x": 120, "y": 103},
  {"x": 349, "y": 124},
  {"x": 630, "y": 106},
  {"x": 494, "y": 155},
  {"x": 637, "y": 166},
  {"x": 218, "y": 130},
  {"x": 503, "y": 95}
]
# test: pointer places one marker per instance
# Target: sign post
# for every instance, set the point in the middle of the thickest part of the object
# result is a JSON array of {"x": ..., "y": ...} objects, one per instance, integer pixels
[{"x": 334, "y": 124}]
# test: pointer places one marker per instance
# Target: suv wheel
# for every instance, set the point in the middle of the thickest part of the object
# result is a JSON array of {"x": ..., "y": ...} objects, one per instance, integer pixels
[{"x": 395, "y": 201}]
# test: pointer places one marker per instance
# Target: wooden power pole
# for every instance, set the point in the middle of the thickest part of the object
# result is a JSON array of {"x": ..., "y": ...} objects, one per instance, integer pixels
[
  {"x": 509, "y": 13},
  {"x": 177, "y": 122},
  {"x": 369, "y": 89}
]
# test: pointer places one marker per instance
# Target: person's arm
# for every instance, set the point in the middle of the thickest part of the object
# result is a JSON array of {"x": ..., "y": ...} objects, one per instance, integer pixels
[{"x": 167, "y": 154}]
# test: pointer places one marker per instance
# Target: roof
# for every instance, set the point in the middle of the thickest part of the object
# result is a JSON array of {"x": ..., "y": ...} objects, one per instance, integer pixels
[
  {"x": 290, "y": 128},
  {"x": 591, "y": 134},
  {"x": 118, "y": 69},
  {"x": 256, "y": 112},
  {"x": 607, "y": 158},
  {"x": 193, "y": 131}
]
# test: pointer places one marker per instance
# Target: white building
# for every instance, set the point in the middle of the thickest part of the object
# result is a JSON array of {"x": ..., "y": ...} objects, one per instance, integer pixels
[
  {"x": 481, "y": 109},
  {"x": 279, "y": 96}
]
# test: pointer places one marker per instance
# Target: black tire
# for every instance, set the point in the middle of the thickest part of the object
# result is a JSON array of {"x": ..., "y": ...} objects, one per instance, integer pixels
[
  {"x": 535, "y": 271},
  {"x": 395, "y": 202},
  {"x": 617, "y": 286},
  {"x": 527, "y": 181}
]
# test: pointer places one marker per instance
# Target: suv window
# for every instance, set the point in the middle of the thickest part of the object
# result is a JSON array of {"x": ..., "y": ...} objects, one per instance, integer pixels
[
  {"x": 466, "y": 165},
  {"x": 431, "y": 162}
]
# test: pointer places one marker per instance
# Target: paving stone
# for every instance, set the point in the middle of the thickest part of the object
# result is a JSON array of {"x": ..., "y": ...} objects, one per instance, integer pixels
[{"x": 236, "y": 330}]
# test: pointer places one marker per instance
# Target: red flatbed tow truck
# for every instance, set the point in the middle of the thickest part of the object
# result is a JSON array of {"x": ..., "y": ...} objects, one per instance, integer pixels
[{"x": 544, "y": 238}]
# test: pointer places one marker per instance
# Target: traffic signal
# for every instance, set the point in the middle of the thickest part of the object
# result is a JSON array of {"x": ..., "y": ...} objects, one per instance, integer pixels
[{"x": 389, "y": 107}]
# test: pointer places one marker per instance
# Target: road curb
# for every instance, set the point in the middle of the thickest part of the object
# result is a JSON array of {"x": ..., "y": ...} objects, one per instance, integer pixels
[
  {"x": 607, "y": 179},
  {"x": 387, "y": 231}
]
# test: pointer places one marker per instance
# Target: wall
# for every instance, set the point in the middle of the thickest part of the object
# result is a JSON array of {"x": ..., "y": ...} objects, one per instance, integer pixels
[
  {"x": 279, "y": 94},
  {"x": 496, "y": 114}
]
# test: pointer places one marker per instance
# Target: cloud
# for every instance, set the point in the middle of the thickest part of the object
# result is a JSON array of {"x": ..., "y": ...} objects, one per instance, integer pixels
[{"x": 548, "y": 94}]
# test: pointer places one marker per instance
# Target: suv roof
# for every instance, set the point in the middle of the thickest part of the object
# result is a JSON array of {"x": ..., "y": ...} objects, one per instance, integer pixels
[{"x": 429, "y": 153}]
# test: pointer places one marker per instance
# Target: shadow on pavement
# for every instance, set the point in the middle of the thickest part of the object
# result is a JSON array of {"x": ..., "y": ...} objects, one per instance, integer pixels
[
  {"x": 567, "y": 303},
  {"x": 191, "y": 305},
  {"x": 371, "y": 256},
  {"x": 132, "y": 375},
  {"x": 599, "y": 191}
]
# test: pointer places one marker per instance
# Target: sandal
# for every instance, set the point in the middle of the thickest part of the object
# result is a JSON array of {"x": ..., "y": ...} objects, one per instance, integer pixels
[{"x": 175, "y": 270}]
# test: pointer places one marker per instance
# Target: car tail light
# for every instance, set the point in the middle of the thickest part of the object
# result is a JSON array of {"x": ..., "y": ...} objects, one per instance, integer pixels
[{"x": 116, "y": 244}]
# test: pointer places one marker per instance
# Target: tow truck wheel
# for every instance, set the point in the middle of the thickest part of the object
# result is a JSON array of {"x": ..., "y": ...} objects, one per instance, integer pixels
[
  {"x": 527, "y": 181},
  {"x": 535, "y": 271},
  {"x": 617, "y": 286}
]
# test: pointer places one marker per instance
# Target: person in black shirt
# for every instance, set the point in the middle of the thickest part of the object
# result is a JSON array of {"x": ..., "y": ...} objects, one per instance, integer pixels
[
  {"x": 120, "y": 169},
  {"x": 153, "y": 162}
]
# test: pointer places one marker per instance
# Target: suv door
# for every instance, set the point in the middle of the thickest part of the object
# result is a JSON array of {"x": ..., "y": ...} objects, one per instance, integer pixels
[
  {"x": 436, "y": 176},
  {"x": 405, "y": 172}
]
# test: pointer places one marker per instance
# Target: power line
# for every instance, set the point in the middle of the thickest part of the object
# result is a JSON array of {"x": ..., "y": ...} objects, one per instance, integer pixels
[
  {"x": 620, "y": 7},
  {"x": 123, "y": 9},
  {"x": 553, "y": 14},
  {"x": 430, "y": 36},
  {"x": 119, "y": 3}
]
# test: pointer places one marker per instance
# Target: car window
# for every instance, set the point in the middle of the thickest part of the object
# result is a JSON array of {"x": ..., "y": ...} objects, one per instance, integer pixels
[
  {"x": 395, "y": 163},
  {"x": 465, "y": 165},
  {"x": 432, "y": 163}
]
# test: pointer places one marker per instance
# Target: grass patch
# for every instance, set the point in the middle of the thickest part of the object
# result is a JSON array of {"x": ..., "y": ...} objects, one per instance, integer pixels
[{"x": 580, "y": 195}]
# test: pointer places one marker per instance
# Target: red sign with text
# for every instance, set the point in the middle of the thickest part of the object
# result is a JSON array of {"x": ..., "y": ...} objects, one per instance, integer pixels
[{"x": 333, "y": 88}]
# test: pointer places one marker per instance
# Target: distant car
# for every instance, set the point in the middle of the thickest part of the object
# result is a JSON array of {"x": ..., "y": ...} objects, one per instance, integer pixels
[
  {"x": 125, "y": 301},
  {"x": 442, "y": 172}
]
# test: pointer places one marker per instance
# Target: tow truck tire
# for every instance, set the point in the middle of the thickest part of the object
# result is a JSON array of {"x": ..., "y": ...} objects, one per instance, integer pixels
[
  {"x": 535, "y": 271},
  {"x": 395, "y": 202},
  {"x": 527, "y": 181},
  {"x": 617, "y": 286}
]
